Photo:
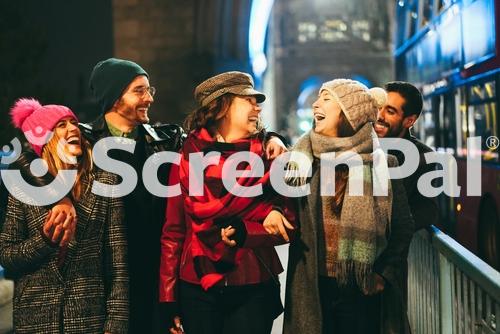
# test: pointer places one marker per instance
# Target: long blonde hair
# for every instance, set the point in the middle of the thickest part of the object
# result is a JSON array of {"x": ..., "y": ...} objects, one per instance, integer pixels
[{"x": 84, "y": 164}]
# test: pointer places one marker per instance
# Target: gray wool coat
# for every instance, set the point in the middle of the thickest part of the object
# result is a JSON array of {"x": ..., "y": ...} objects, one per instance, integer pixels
[
  {"x": 302, "y": 300},
  {"x": 89, "y": 292}
]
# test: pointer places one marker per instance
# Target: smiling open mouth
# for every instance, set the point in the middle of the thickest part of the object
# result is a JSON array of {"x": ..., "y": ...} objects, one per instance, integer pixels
[
  {"x": 319, "y": 117},
  {"x": 73, "y": 140},
  {"x": 380, "y": 124}
]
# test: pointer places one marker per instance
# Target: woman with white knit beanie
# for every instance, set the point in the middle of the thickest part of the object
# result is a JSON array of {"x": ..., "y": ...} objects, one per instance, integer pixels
[{"x": 350, "y": 249}]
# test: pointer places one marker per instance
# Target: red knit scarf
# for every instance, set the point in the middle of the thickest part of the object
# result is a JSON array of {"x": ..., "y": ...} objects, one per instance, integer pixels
[{"x": 218, "y": 207}]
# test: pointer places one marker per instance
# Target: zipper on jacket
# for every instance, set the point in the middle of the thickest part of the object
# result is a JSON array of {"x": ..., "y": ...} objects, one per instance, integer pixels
[{"x": 183, "y": 262}]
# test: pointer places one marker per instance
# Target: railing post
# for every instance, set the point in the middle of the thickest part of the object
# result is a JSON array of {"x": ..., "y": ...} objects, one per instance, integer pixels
[{"x": 445, "y": 295}]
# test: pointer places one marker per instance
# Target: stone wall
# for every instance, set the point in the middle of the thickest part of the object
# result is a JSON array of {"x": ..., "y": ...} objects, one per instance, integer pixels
[
  {"x": 180, "y": 43},
  {"x": 159, "y": 35}
]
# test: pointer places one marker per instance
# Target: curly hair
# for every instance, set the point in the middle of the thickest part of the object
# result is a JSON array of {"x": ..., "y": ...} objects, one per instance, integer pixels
[{"x": 209, "y": 115}]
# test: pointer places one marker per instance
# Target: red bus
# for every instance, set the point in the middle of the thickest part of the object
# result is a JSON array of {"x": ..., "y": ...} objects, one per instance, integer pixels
[{"x": 450, "y": 50}]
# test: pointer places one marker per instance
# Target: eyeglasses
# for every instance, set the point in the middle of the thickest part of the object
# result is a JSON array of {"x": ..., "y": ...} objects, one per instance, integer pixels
[{"x": 141, "y": 91}]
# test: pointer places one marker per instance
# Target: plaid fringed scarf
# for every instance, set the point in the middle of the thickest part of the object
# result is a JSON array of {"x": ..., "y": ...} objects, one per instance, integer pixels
[
  {"x": 358, "y": 236},
  {"x": 217, "y": 207}
]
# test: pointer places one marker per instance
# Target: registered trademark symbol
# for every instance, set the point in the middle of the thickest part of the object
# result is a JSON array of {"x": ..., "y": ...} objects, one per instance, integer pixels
[{"x": 492, "y": 142}]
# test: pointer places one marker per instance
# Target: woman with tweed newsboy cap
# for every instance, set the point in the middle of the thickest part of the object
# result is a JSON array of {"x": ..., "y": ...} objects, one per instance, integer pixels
[
  {"x": 350, "y": 250},
  {"x": 70, "y": 277},
  {"x": 227, "y": 265}
]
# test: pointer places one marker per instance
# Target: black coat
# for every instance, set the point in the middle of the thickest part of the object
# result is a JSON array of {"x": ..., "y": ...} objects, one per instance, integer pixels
[
  {"x": 144, "y": 218},
  {"x": 425, "y": 210}
]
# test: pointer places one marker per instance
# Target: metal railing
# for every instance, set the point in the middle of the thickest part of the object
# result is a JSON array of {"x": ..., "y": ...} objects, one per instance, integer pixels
[{"x": 450, "y": 290}]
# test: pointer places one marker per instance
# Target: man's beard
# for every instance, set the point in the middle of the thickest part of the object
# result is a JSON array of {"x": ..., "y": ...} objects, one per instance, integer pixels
[
  {"x": 135, "y": 116},
  {"x": 391, "y": 131}
]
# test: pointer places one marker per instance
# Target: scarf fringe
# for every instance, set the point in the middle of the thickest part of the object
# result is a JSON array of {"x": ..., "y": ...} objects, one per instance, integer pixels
[{"x": 350, "y": 273}]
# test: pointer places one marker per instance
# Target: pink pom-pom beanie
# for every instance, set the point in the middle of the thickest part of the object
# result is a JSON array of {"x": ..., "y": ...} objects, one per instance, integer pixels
[{"x": 37, "y": 121}]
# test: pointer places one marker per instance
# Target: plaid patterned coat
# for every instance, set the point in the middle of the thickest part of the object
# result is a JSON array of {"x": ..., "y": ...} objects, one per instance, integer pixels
[{"x": 89, "y": 292}]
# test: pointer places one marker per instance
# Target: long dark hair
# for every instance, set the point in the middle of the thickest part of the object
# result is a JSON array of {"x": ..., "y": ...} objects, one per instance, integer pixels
[
  {"x": 344, "y": 129},
  {"x": 208, "y": 116}
]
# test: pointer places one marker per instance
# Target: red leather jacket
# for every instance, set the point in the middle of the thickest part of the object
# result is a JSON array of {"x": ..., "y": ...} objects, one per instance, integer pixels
[{"x": 259, "y": 262}]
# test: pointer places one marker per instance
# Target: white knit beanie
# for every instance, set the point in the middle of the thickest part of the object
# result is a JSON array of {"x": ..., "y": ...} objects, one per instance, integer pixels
[{"x": 359, "y": 104}]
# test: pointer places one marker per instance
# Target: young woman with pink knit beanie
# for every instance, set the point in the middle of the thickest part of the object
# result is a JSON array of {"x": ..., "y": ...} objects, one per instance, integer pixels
[
  {"x": 70, "y": 277},
  {"x": 346, "y": 262}
]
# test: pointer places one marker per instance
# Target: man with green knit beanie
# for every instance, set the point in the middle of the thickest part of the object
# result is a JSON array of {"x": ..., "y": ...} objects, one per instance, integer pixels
[
  {"x": 122, "y": 90},
  {"x": 109, "y": 79}
]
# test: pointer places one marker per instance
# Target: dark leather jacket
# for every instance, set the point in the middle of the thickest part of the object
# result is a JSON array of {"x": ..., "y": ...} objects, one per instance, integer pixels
[{"x": 158, "y": 138}]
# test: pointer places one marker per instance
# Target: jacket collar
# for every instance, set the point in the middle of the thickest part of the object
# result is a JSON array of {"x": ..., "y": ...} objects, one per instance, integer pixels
[
  {"x": 100, "y": 128},
  {"x": 409, "y": 136}
]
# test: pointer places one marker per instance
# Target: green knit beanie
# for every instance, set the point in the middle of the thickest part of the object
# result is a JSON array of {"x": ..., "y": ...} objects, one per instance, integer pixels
[{"x": 110, "y": 77}]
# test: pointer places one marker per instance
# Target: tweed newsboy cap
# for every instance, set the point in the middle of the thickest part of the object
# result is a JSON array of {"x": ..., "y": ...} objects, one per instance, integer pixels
[{"x": 234, "y": 82}]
